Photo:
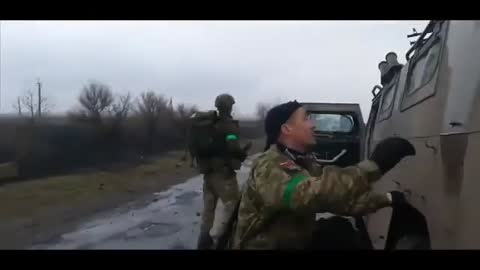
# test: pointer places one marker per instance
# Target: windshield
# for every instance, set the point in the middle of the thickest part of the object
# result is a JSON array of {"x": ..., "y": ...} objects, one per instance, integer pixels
[{"x": 326, "y": 122}]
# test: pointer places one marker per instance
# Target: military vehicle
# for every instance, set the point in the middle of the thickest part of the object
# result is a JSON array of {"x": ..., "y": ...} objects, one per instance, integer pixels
[
  {"x": 340, "y": 136},
  {"x": 433, "y": 100},
  {"x": 339, "y": 130}
]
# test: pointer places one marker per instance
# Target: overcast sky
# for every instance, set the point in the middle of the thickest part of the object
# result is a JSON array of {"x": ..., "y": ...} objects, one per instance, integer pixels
[{"x": 193, "y": 61}]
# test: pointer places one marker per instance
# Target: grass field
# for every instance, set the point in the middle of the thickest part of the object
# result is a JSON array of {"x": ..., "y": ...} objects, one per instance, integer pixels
[
  {"x": 37, "y": 210},
  {"x": 32, "y": 208}
]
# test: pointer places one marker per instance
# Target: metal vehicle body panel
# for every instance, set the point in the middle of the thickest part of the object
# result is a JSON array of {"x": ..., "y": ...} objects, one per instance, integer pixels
[{"x": 434, "y": 103}]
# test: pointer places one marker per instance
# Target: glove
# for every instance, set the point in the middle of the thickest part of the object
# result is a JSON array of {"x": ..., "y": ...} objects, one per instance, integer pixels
[
  {"x": 398, "y": 198},
  {"x": 390, "y": 151}
]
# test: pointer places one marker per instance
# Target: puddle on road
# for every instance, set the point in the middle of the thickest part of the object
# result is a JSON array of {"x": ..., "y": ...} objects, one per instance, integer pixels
[
  {"x": 160, "y": 195},
  {"x": 186, "y": 197},
  {"x": 157, "y": 229},
  {"x": 169, "y": 222}
]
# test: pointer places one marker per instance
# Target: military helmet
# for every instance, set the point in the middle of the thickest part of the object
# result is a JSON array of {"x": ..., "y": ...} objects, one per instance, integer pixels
[{"x": 224, "y": 100}]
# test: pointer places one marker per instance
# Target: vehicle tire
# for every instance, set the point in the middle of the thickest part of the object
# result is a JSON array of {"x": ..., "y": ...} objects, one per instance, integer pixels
[{"x": 412, "y": 242}]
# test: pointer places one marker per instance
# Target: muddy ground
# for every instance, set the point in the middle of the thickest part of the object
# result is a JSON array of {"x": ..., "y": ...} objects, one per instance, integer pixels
[
  {"x": 168, "y": 220},
  {"x": 39, "y": 211}
]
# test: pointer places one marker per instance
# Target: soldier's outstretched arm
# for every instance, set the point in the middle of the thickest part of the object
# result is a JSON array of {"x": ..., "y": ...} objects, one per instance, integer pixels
[
  {"x": 342, "y": 191},
  {"x": 366, "y": 204}
]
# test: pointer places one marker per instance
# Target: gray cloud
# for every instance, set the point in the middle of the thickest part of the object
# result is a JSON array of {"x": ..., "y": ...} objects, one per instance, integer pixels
[{"x": 325, "y": 61}]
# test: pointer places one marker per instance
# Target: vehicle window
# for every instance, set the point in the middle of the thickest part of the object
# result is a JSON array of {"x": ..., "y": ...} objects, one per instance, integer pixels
[
  {"x": 387, "y": 101},
  {"x": 424, "y": 68},
  {"x": 325, "y": 122}
]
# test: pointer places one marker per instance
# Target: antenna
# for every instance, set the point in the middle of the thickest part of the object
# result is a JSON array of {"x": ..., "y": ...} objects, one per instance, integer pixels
[
  {"x": 429, "y": 29},
  {"x": 414, "y": 34}
]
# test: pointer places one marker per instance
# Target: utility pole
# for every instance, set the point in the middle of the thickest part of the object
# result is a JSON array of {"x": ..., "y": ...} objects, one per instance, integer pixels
[
  {"x": 170, "y": 105},
  {"x": 39, "y": 98},
  {"x": 19, "y": 104}
]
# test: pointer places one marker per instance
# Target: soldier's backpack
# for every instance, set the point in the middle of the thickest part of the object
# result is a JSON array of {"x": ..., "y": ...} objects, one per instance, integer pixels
[{"x": 202, "y": 134}]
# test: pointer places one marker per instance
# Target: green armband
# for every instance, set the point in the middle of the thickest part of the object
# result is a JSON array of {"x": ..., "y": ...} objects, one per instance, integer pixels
[
  {"x": 287, "y": 194},
  {"x": 231, "y": 137}
]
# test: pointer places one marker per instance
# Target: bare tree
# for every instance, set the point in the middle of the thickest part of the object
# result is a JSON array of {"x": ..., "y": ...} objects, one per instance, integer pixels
[
  {"x": 184, "y": 112},
  {"x": 181, "y": 111},
  {"x": 18, "y": 106},
  {"x": 95, "y": 99},
  {"x": 182, "y": 116},
  {"x": 151, "y": 105},
  {"x": 31, "y": 105},
  {"x": 121, "y": 107},
  {"x": 182, "y": 122},
  {"x": 150, "y": 108},
  {"x": 119, "y": 112},
  {"x": 28, "y": 103}
]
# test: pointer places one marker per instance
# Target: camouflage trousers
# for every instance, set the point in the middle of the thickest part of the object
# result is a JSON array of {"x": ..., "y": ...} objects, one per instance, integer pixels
[{"x": 218, "y": 185}]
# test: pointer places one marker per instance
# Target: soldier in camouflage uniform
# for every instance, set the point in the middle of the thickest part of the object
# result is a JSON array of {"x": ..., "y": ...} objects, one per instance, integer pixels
[
  {"x": 220, "y": 178},
  {"x": 286, "y": 187}
]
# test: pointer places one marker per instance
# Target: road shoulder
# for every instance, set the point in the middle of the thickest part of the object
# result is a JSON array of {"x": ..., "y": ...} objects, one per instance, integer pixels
[{"x": 39, "y": 210}]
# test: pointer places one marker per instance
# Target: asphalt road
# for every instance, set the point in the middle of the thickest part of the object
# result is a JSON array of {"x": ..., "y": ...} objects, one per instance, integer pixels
[{"x": 169, "y": 221}]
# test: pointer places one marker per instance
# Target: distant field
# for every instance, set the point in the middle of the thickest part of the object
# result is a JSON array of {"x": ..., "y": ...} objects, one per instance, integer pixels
[
  {"x": 8, "y": 171},
  {"x": 33, "y": 211}
]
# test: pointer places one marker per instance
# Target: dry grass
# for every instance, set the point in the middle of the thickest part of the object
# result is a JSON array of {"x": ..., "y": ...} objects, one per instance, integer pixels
[
  {"x": 8, "y": 170},
  {"x": 44, "y": 204},
  {"x": 36, "y": 210},
  {"x": 27, "y": 198}
]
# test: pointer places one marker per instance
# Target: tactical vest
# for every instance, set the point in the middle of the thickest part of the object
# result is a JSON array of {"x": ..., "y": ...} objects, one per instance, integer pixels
[{"x": 207, "y": 140}]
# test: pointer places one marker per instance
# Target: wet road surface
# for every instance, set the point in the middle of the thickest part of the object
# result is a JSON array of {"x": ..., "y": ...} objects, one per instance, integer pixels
[{"x": 170, "y": 221}]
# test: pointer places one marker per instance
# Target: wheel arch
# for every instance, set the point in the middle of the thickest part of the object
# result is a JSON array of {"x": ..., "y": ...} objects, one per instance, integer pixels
[{"x": 407, "y": 221}]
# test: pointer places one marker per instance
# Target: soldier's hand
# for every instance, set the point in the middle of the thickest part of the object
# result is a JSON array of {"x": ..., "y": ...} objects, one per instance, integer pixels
[
  {"x": 247, "y": 147},
  {"x": 397, "y": 198},
  {"x": 390, "y": 151}
]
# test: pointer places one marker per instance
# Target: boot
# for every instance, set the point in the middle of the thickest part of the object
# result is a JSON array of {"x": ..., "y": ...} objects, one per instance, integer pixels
[{"x": 205, "y": 241}]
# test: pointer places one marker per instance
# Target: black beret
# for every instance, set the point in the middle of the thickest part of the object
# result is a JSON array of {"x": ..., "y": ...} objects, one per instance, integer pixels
[{"x": 276, "y": 117}]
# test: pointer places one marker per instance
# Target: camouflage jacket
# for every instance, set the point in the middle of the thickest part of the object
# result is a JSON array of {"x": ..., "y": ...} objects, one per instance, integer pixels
[{"x": 280, "y": 200}]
